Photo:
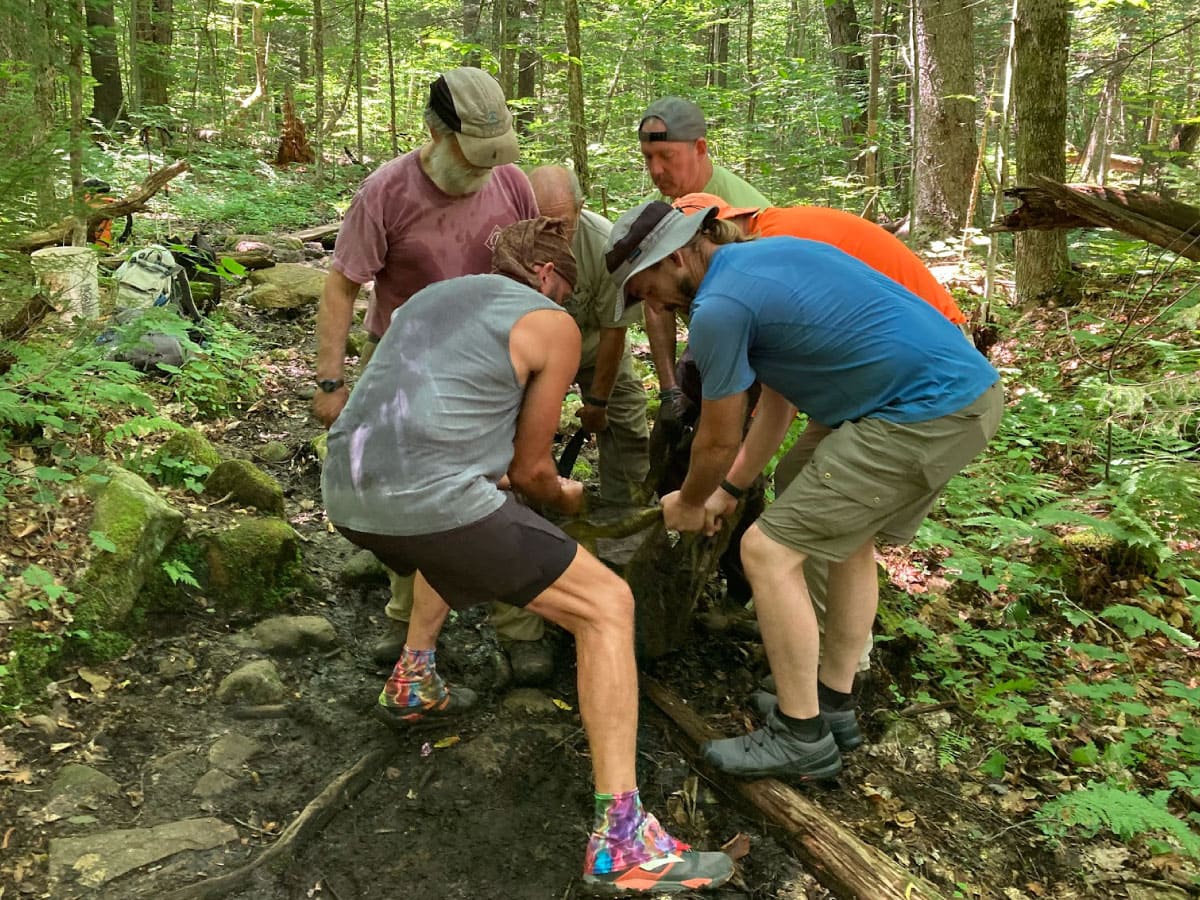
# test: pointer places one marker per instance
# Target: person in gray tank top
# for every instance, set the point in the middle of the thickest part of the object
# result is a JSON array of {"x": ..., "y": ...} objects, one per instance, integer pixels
[{"x": 451, "y": 423}]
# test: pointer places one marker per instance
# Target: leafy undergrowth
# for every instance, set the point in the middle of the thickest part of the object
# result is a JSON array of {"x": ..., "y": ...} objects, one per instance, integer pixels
[{"x": 1054, "y": 598}]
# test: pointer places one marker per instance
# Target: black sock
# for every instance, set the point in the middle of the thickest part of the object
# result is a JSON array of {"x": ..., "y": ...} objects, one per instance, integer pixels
[
  {"x": 806, "y": 729},
  {"x": 833, "y": 701}
]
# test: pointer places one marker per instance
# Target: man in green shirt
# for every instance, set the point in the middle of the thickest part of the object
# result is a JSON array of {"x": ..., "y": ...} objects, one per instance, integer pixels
[
  {"x": 614, "y": 400},
  {"x": 672, "y": 137}
]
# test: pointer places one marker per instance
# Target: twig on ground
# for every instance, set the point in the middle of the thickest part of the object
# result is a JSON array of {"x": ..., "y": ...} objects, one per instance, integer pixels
[{"x": 312, "y": 819}]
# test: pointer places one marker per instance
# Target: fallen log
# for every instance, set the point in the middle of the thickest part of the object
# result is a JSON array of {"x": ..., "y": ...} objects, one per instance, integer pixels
[
  {"x": 849, "y": 868},
  {"x": 135, "y": 202},
  {"x": 312, "y": 819},
  {"x": 1049, "y": 205},
  {"x": 317, "y": 232}
]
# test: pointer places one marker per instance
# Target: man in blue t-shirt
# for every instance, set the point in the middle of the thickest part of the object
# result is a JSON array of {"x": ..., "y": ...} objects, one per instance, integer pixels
[{"x": 909, "y": 401}]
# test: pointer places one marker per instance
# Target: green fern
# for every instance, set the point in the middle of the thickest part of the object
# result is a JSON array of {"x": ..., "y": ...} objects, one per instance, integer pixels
[
  {"x": 1124, "y": 812},
  {"x": 1136, "y": 622}
]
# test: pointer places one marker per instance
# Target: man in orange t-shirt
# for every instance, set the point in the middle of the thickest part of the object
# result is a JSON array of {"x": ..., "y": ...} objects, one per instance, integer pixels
[{"x": 865, "y": 241}]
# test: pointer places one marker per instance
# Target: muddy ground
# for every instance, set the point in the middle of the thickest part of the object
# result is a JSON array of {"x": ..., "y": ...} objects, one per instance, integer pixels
[{"x": 495, "y": 807}]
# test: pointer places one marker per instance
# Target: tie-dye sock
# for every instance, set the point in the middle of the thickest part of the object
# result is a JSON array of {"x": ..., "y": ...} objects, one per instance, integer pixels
[
  {"x": 625, "y": 835},
  {"x": 415, "y": 683}
]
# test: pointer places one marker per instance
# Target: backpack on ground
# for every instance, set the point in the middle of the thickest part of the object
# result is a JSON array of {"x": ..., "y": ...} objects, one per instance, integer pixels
[{"x": 152, "y": 278}]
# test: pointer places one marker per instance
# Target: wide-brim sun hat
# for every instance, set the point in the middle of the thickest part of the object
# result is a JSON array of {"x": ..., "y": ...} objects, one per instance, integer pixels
[{"x": 645, "y": 236}]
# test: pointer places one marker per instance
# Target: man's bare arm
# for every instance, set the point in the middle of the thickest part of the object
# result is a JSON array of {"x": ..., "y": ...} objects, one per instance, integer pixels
[
  {"x": 544, "y": 346},
  {"x": 334, "y": 316},
  {"x": 717, "y": 440},
  {"x": 772, "y": 417},
  {"x": 660, "y": 329},
  {"x": 604, "y": 376}
]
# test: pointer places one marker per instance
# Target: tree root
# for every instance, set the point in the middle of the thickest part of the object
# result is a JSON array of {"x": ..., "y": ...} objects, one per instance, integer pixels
[
  {"x": 840, "y": 861},
  {"x": 311, "y": 821}
]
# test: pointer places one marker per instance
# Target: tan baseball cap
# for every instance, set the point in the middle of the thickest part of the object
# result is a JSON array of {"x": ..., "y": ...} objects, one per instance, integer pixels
[{"x": 471, "y": 102}]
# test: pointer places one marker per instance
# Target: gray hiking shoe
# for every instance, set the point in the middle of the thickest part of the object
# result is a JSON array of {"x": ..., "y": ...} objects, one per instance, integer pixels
[
  {"x": 842, "y": 722},
  {"x": 774, "y": 750}
]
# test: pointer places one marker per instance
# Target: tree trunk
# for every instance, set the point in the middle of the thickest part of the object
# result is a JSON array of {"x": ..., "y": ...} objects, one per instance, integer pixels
[
  {"x": 751, "y": 77},
  {"x": 575, "y": 107},
  {"x": 44, "y": 66},
  {"x": 107, "y": 100},
  {"x": 832, "y": 852},
  {"x": 77, "y": 31},
  {"x": 360, "y": 11},
  {"x": 509, "y": 14},
  {"x": 718, "y": 51},
  {"x": 945, "y": 138},
  {"x": 1094, "y": 166},
  {"x": 1041, "y": 39},
  {"x": 849, "y": 63},
  {"x": 293, "y": 141},
  {"x": 318, "y": 41},
  {"x": 472, "y": 11},
  {"x": 393, "y": 138},
  {"x": 871, "y": 160},
  {"x": 1168, "y": 223},
  {"x": 527, "y": 61},
  {"x": 153, "y": 36}
]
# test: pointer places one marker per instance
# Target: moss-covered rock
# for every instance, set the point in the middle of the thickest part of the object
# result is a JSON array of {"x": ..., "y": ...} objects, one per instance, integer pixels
[
  {"x": 247, "y": 484},
  {"x": 300, "y": 284},
  {"x": 32, "y": 657},
  {"x": 140, "y": 523},
  {"x": 190, "y": 445},
  {"x": 253, "y": 565}
]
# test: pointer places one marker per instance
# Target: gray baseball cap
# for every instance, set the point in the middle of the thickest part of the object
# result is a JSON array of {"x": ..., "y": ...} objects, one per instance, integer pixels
[
  {"x": 471, "y": 102},
  {"x": 644, "y": 236},
  {"x": 683, "y": 118}
]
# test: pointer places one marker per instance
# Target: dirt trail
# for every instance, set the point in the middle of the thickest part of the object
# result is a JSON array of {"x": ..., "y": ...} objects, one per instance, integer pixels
[{"x": 495, "y": 807}]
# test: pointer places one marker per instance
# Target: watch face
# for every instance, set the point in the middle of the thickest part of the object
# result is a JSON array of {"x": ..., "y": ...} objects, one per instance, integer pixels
[{"x": 329, "y": 385}]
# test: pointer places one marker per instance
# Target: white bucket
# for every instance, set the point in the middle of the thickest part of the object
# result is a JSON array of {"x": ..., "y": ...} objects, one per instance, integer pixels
[{"x": 71, "y": 276}]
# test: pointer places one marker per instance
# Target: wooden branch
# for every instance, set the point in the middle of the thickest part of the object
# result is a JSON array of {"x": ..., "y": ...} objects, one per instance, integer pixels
[
  {"x": 1050, "y": 205},
  {"x": 312, "y": 819},
  {"x": 317, "y": 233},
  {"x": 842, "y": 863},
  {"x": 135, "y": 202}
]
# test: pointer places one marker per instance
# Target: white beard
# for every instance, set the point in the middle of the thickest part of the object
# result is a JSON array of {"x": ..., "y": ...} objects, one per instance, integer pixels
[{"x": 452, "y": 176}]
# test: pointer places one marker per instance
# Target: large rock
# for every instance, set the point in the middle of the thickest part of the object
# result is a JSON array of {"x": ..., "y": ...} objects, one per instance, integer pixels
[
  {"x": 363, "y": 569},
  {"x": 282, "y": 248},
  {"x": 295, "y": 286},
  {"x": 77, "y": 785},
  {"x": 98, "y": 858},
  {"x": 140, "y": 523},
  {"x": 294, "y": 634},
  {"x": 188, "y": 445},
  {"x": 253, "y": 564},
  {"x": 255, "y": 683},
  {"x": 247, "y": 484}
]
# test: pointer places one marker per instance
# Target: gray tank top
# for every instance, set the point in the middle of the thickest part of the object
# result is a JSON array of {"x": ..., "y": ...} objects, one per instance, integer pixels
[{"x": 428, "y": 430}]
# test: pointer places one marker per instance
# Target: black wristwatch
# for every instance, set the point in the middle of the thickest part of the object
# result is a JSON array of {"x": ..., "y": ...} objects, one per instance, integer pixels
[{"x": 329, "y": 385}]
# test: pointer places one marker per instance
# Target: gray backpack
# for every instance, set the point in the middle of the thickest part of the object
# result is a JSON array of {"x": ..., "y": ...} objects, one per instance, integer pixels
[{"x": 152, "y": 278}]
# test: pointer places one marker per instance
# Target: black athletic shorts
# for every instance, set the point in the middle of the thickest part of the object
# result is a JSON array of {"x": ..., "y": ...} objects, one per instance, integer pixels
[{"x": 511, "y": 555}]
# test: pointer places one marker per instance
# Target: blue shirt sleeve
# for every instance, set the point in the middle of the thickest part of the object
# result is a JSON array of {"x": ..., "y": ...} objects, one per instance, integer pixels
[{"x": 719, "y": 336}]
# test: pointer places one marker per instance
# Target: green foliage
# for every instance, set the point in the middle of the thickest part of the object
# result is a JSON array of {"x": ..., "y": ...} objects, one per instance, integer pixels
[
  {"x": 1119, "y": 809},
  {"x": 170, "y": 471},
  {"x": 180, "y": 573},
  {"x": 32, "y": 656}
]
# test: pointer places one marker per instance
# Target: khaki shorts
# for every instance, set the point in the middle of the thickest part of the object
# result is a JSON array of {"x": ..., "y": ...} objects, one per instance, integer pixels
[
  {"x": 873, "y": 478},
  {"x": 511, "y": 555}
]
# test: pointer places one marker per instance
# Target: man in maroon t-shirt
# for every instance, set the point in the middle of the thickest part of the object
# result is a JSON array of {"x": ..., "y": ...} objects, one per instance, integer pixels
[{"x": 429, "y": 215}]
